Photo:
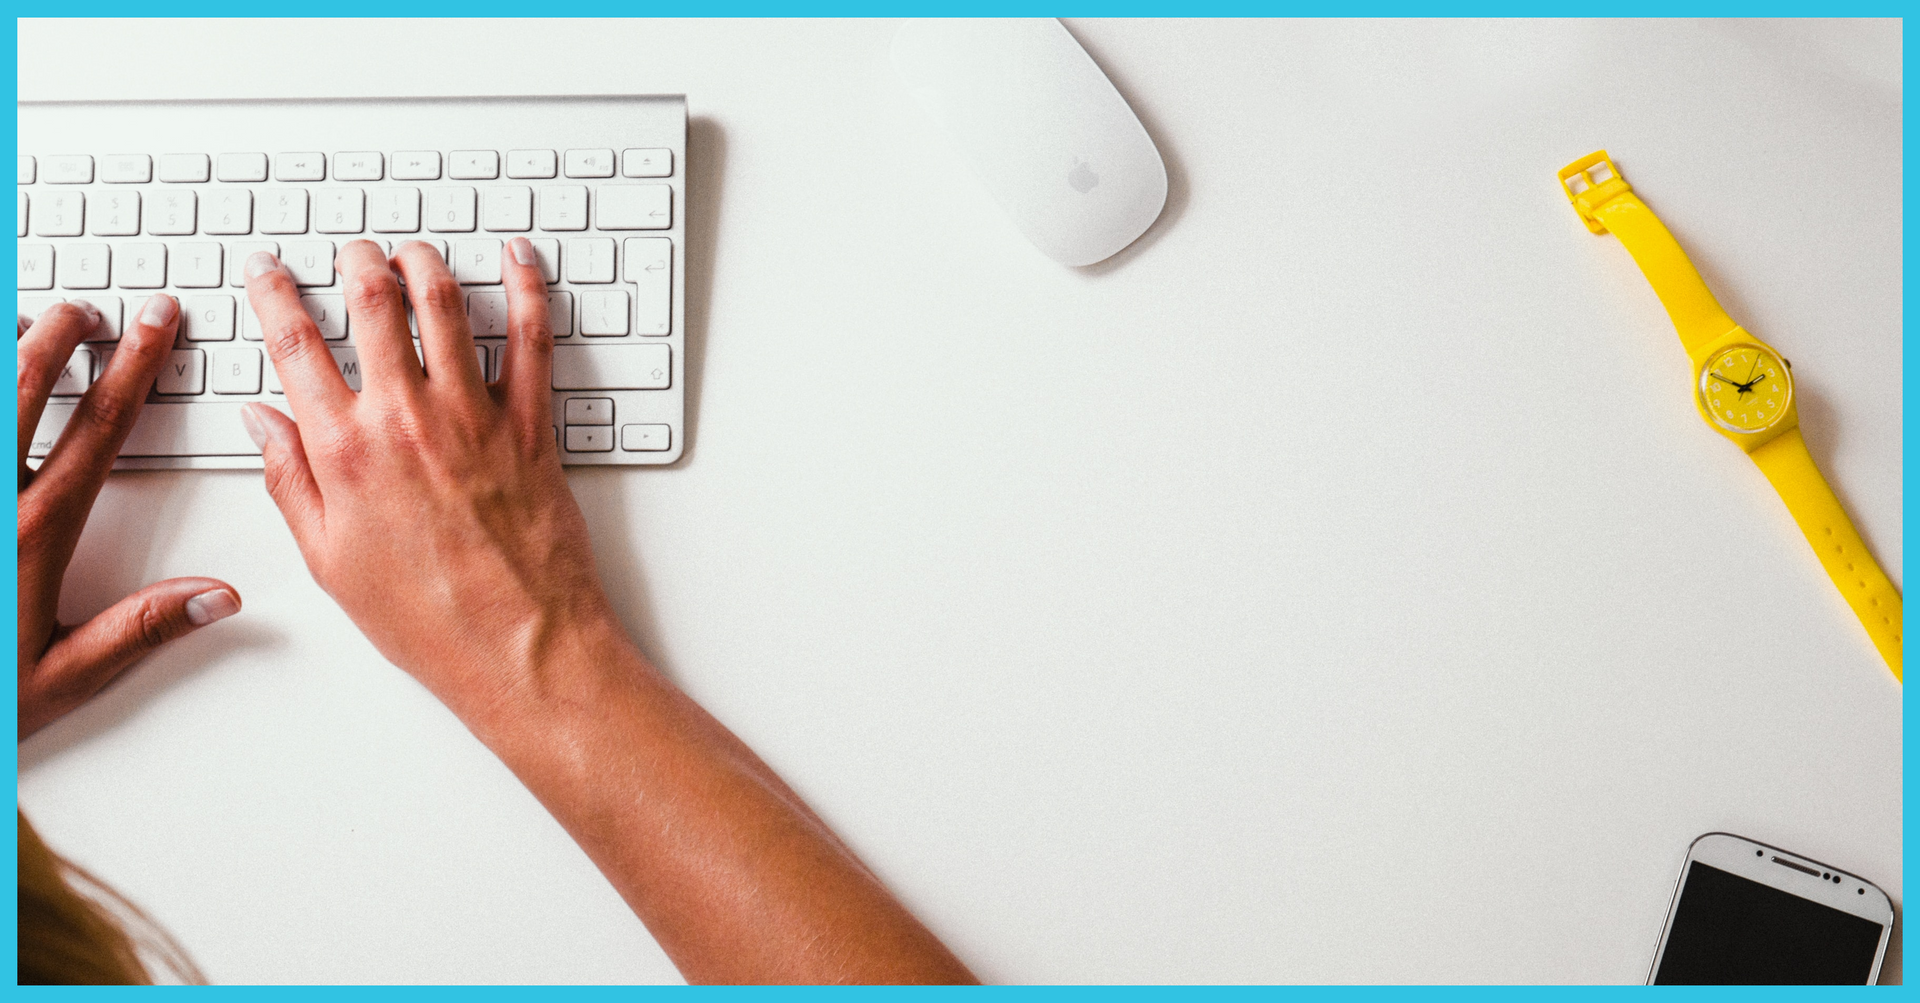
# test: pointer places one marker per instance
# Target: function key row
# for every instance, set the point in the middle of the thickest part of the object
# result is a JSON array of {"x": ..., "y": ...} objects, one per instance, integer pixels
[{"x": 408, "y": 165}]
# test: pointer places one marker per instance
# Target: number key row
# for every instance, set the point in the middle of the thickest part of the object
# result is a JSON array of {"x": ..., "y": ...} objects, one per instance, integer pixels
[{"x": 448, "y": 209}]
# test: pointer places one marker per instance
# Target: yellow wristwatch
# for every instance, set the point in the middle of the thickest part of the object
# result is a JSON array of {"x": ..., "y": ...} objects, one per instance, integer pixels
[{"x": 1744, "y": 391}]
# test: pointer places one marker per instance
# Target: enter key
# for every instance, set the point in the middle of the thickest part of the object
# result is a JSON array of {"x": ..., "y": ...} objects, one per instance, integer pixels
[{"x": 650, "y": 269}]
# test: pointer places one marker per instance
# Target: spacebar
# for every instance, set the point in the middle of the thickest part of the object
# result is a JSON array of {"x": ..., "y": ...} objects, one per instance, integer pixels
[{"x": 164, "y": 430}]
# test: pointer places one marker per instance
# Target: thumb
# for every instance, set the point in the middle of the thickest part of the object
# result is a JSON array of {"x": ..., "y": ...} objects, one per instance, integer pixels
[
  {"x": 88, "y": 657},
  {"x": 289, "y": 476}
]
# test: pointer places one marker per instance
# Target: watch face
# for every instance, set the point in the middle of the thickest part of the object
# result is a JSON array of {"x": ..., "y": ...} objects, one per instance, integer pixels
[{"x": 1745, "y": 389}]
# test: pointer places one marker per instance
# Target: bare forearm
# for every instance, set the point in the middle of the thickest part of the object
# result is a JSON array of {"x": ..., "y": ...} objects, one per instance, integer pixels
[{"x": 733, "y": 874}]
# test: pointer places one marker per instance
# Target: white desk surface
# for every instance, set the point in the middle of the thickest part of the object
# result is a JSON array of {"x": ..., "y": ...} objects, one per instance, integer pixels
[{"x": 1254, "y": 607}]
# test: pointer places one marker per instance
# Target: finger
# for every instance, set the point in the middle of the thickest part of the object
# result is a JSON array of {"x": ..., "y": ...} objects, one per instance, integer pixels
[
  {"x": 289, "y": 476},
  {"x": 440, "y": 306},
  {"x": 307, "y": 372},
  {"x": 44, "y": 348},
  {"x": 78, "y": 464},
  {"x": 378, "y": 312},
  {"x": 90, "y": 656},
  {"x": 526, "y": 373}
]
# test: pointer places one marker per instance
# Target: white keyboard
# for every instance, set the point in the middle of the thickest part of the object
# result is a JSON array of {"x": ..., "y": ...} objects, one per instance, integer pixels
[{"x": 119, "y": 200}]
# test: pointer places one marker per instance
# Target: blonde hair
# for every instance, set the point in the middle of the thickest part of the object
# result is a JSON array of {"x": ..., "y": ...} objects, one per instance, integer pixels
[{"x": 75, "y": 930}]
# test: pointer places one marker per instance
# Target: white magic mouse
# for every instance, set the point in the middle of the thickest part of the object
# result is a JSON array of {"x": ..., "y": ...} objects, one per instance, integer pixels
[{"x": 1042, "y": 128}]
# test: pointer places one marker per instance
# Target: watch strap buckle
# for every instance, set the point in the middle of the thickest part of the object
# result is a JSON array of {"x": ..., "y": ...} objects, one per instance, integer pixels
[{"x": 1591, "y": 182}]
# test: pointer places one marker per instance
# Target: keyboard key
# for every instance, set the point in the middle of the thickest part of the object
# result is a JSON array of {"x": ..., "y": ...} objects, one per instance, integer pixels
[
  {"x": 560, "y": 313},
  {"x": 329, "y": 314},
  {"x": 196, "y": 429},
  {"x": 72, "y": 169},
  {"x": 31, "y": 307},
  {"x": 589, "y": 439},
  {"x": 84, "y": 266},
  {"x": 184, "y": 168},
  {"x": 251, "y": 331},
  {"x": 339, "y": 210},
  {"x": 487, "y": 314},
  {"x": 647, "y": 164},
  {"x": 126, "y": 169},
  {"x": 481, "y": 354},
  {"x": 171, "y": 214},
  {"x": 348, "y": 360},
  {"x": 57, "y": 214},
  {"x": 650, "y": 269},
  {"x": 450, "y": 210},
  {"x": 283, "y": 210},
  {"x": 394, "y": 210},
  {"x": 362, "y": 166},
  {"x": 196, "y": 265},
  {"x": 546, "y": 250},
  {"x": 142, "y": 266},
  {"x": 299, "y": 167},
  {"x": 589, "y": 410},
  {"x": 524, "y": 164},
  {"x": 207, "y": 318},
  {"x": 590, "y": 259},
  {"x": 473, "y": 165},
  {"x": 236, "y": 371},
  {"x": 634, "y": 207},
  {"x": 21, "y": 216},
  {"x": 35, "y": 265},
  {"x": 563, "y": 207},
  {"x": 612, "y": 367},
  {"x": 603, "y": 314},
  {"x": 76, "y": 376},
  {"x": 416, "y": 165},
  {"x": 646, "y": 438},
  {"x": 116, "y": 214},
  {"x": 26, "y": 169},
  {"x": 507, "y": 209},
  {"x": 242, "y": 167},
  {"x": 227, "y": 211},
  {"x": 239, "y": 252},
  {"x": 589, "y": 163},
  {"x": 310, "y": 261},
  {"x": 184, "y": 373},
  {"x": 110, "y": 315},
  {"x": 476, "y": 262}
]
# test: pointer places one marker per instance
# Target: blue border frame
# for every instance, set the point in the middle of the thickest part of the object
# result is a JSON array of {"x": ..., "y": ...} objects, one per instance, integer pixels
[{"x": 1131, "y": 8}]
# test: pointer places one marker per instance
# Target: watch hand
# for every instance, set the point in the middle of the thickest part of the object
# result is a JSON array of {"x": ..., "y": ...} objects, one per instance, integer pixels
[{"x": 1723, "y": 379}]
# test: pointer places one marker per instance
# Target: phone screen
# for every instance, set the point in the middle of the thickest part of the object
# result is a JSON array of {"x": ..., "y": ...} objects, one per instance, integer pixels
[{"x": 1730, "y": 930}]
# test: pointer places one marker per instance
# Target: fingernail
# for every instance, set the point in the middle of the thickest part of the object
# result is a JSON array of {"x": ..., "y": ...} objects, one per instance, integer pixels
[
  {"x": 208, "y": 607},
  {"x": 159, "y": 311},
  {"x": 92, "y": 312},
  {"x": 260, "y": 263},
  {"x": 522, "y": 250},
  {"x": 256, "y": 429}
]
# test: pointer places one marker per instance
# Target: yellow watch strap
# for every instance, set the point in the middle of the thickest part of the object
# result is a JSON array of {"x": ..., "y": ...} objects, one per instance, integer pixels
[
  {"x": 1607, "y": 203},
  {"x": 1867, "y": 589}
]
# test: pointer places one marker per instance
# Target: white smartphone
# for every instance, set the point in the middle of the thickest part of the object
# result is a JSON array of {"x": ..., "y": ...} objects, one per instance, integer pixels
[{"x": 1745, "y": 913}]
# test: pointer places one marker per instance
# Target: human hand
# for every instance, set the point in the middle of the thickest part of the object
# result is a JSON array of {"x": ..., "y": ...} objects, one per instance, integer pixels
[
  {"x": 430, "y": 505},
  {"x": 60, "y": 667}
]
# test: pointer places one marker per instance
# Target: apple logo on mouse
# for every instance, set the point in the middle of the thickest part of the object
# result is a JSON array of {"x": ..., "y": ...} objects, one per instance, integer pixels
[{"x": 1082, "y": 177}]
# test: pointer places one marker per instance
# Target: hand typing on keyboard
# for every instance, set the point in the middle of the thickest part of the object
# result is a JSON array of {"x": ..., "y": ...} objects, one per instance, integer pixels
[
  {"x": 60, "y": 667},
  {"x": 431, "y": 505}
]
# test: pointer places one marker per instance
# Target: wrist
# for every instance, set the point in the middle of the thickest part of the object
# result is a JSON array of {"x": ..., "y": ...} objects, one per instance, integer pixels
[{"x": 559, "y": 667}]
